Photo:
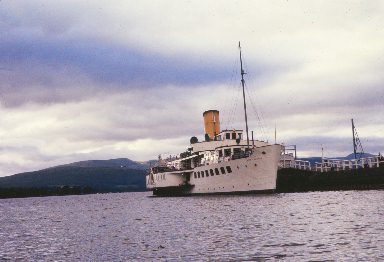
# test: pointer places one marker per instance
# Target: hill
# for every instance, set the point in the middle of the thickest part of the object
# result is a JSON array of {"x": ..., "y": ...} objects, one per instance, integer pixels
[
  {"x": 352, "y": 156},
  {"x": 115, "y": 175},
  {"x": 113, "y": 163},
  {"x": 317, "y": 159}
]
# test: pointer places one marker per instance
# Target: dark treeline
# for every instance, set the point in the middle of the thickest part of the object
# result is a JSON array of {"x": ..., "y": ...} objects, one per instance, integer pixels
[
  {"x": 14, "y": 192},
  {"x": 19, "y": 192}
]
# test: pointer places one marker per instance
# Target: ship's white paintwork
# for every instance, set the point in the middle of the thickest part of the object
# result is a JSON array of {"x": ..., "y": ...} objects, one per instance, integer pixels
[{"x": 252, "y": 173}]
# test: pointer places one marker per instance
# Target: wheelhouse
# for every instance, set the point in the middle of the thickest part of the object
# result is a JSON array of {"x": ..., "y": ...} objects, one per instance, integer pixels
[{"x": 230, "y": 135}]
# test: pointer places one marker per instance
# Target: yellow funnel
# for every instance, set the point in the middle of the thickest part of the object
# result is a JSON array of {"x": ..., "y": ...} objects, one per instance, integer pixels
[{"x": 211, "y": 123}]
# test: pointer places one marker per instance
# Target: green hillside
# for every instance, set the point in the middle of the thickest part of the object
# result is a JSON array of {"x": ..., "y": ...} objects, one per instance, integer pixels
[
  {"x": 95, "y": 176},
  {"x": 99, "y": 178}
]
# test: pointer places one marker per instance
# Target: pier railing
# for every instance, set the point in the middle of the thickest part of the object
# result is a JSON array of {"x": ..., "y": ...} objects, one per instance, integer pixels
[
  {"x": 342, "y": 164},
  {"x": 289, "y": 161},
  {"x": 333, "y": 164},
  {"x": 297, "y": 164}
]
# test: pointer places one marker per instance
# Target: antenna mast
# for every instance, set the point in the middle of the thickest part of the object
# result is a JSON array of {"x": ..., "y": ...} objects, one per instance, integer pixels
[
  {"x": 354, "y": 139},
  {"x": 245, "y": 105},
  {"x": 356, "y": 142}
]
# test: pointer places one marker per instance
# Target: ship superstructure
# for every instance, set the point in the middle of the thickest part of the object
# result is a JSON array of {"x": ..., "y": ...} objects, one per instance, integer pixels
[{"x": 223, "y": 163}]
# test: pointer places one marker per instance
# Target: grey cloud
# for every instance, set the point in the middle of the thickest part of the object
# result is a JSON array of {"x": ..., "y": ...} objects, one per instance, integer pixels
[
  {"x": 108, "y": 63},
  {"x": 334, "y": 146},
  {"x": 51, "y": 72},
  {"x": 106, "y": 80}
]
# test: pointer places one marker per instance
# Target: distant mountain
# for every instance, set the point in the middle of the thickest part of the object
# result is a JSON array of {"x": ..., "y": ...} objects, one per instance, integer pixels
[
  {"x": 114, "y": 175},
  {"x": 313, "y": 160},
  {"x": 150, "y": 163},
  {"x": 116, "y": 163},
  {"x": 352, "y": 156}
]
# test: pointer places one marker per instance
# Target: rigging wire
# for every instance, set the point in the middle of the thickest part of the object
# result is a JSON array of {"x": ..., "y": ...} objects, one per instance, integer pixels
[
  {"x": 232, "y": 99},
  {"x": 233, "y": 113},
  {"x": 255, "y": 106},
  {"x": 258, "y": 114}
]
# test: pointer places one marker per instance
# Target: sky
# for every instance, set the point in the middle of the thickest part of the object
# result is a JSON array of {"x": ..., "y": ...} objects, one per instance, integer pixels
[{"x": 82, "y": 80}]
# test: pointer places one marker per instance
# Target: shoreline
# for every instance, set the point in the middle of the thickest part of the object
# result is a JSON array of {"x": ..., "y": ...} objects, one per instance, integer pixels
[{"x": 289, "y": 180}]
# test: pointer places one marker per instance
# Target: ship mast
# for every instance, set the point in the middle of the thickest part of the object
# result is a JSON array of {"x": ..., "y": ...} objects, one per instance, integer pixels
[{"x": 245, "y": 105}]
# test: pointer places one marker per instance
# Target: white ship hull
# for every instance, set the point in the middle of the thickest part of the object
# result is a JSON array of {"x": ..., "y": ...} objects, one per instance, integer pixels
[{"x": 256, "y": 173}]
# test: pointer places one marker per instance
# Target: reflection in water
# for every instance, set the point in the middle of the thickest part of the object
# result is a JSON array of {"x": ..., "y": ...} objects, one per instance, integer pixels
[{"x": 132, "y": 226}]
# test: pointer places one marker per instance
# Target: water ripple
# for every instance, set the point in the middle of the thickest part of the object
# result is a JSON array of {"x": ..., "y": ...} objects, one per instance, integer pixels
[{"x": 316, "y": 226}]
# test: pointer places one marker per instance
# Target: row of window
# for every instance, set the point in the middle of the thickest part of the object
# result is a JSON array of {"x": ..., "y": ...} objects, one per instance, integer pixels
[
  {"x": 228, "y": 136},
  {"x": 212, "y": 172},
  {"x": 228, "y": 152},
  {"x": 159, "y": 177}
]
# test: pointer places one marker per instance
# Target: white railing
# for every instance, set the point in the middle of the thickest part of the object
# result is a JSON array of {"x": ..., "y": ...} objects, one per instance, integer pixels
[
  {"x": 333, "y": 164},
  {"x": 341, "y": 164},
  {"x": 302, "y": 165},
  {"x": 295, "y": 163}
]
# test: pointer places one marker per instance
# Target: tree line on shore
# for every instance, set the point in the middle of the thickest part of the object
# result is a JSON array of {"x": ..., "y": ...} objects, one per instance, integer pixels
[{"x": 14, "y": 192}]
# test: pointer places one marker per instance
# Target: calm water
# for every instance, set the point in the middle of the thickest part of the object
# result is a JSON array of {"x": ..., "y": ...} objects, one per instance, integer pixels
[{"x": 132, "y": 226}]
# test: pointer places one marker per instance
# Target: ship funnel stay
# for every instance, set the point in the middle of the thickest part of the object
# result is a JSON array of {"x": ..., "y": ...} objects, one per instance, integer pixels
[{"x": 211, "y": 123}]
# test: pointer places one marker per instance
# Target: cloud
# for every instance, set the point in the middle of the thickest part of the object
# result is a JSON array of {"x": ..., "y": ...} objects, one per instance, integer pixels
[
  {"x": 137, "y": 124},
  {"x": 82, "y": 80},
  {"x": 58, "y": 66}
]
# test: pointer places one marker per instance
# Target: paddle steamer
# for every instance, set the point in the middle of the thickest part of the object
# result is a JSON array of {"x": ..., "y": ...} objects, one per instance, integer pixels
[{"x": 222, "y": 164}]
